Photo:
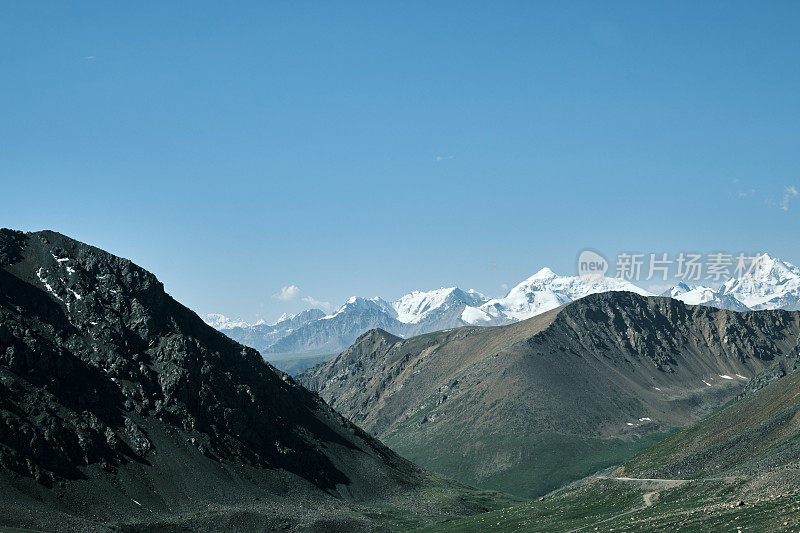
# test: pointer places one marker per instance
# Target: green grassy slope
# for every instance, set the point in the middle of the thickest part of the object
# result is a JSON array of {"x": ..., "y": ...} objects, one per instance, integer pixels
[
  {"x": 549, "y": 461},
  {"x": 735, "y": 470},
  {"x": 759, "y": 432},
  {"x": 608, "y": 505}
]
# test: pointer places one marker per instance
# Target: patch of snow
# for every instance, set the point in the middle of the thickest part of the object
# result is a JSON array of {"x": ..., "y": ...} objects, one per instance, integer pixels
[
  {"x": 725, "y": 376},
  {"x": 645, "y": 419},
  {"x": 707, "y": 383},
  {"x": 47, "y": 285},
  {"x": 741, "y": 376},
  {"x": 475, "y": 316}
]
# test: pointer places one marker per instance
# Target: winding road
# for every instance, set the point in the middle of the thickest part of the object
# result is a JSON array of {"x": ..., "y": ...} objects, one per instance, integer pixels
[{"x": 649, "y": 497}]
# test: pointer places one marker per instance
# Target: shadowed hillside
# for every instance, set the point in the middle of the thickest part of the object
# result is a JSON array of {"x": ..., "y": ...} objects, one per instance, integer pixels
[{"x": 120, "y": 406}]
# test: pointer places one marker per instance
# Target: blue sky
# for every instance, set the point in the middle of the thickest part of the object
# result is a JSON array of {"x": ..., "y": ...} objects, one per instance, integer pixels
[{"x": 372, "y": 148}]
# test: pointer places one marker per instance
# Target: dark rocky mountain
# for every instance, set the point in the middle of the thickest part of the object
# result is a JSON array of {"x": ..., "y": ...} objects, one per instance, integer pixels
[
  {"x": 120, "y": 407},
  {"x": 530, "y": 406}
]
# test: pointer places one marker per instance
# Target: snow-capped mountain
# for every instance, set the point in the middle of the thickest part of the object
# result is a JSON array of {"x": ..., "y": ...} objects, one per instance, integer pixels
[
  {"x": 221, "y": 322},
  {"x": 438, "y": 309},
  {"x": 261, "y": 335},
  {"x": 546, "y": 290},
  {"x": 421, "y": 312},
  {"x": 699, "y": 295},
  {"x": 413, "y": 314},
  {"x": 335, "y": 332},
  {"x": 356, "y": 305},
  {"x": 769, "y": 284}
]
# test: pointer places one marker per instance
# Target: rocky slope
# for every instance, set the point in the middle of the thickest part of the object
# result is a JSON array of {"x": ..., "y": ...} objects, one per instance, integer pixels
[
  {"x": 120, "y": 406},
  {"x": 528, "y": 406}
]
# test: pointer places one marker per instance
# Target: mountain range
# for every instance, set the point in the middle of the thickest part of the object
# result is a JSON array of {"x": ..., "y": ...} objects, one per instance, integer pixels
[
  {"x": 529, "y": 406},
  {"x": 120, "y": 409},
  {"x": 769, "y": 284},
  {"x": 313, "y": 332}
]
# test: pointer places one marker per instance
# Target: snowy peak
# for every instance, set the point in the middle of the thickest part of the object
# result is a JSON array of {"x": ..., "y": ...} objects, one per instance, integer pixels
[
  {"x": 298, "y": 319},
  {"x": 416, "y": 306},
  {"x": 768, "y": 269},
  {"x": 700, "y": 295},
  {"x": 357, "y": 304},
  {"x": 543, "y": 274},
  {"x": 222, "y": 322},
  {"x": 546, "y": 290},
  {"x": 677, "y": 290},
  {"x": 420, "y": 312},
  {"x": 768, "y": 284}
]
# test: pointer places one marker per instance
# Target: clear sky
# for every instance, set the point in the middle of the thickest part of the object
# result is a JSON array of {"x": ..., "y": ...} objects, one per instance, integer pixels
[{"x": 373, "y": 148}]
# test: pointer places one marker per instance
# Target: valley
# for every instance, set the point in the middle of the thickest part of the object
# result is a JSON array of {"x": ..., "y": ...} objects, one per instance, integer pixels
[{"x": 122, "y": 409}]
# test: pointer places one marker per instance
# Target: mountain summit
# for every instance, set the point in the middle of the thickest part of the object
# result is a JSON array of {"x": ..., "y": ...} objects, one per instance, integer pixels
[
  {"x": 769, "y": 284},
  {"x": 546, "y": 290}
]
